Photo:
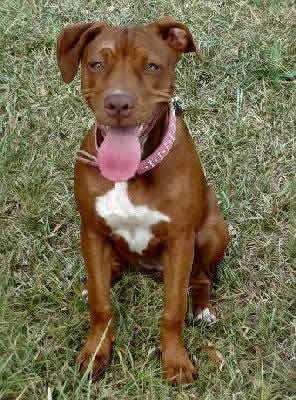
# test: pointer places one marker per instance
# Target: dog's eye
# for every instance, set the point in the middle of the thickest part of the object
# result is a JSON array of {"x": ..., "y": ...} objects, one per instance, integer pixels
[
  {"x": 151, "y": 67},
  {"x": 97, "y": 66}
]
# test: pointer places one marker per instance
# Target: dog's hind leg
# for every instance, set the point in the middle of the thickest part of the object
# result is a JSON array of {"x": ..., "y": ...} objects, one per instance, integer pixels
[
  {"x": 211, "y": 241},
  {"x": 116, "y": 271}
]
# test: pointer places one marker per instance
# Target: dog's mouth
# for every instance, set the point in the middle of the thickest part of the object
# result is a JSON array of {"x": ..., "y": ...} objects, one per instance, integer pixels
[{"x": 120, "y": 153}]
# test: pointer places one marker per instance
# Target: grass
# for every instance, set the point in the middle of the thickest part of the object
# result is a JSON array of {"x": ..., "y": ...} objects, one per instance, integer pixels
[{"x": 244, "y": 125}]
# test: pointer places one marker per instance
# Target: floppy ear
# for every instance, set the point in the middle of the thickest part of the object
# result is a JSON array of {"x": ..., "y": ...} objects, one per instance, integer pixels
[
  {"x": 70, "y": 44},
  {"x": 177, "y": 35}
]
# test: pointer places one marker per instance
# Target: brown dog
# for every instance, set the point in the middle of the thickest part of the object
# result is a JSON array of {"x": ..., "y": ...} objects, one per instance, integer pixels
[{"x": 139, "y": 186}]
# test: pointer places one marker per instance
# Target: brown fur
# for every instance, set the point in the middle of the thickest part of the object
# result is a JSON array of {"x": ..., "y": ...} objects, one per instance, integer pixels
[{"x": 190, "y": 246}]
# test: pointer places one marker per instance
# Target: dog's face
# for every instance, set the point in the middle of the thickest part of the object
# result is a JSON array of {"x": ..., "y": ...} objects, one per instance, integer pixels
[
  {"x": 132, "y": 66},
  {"x": 126, "y": 72}
]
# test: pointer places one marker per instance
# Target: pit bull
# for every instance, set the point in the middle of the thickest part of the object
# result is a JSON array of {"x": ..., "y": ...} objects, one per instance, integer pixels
[{"x": 141, "y": 192}]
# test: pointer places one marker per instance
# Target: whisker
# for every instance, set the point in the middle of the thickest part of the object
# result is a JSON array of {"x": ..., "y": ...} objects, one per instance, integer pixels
[
  {"x": 161, "y": 95},
  {"x": 89, "y": 95},
  {"x": 87, "y": 92}
]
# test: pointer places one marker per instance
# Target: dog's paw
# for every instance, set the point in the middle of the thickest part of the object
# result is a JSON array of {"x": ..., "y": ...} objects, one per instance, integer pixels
[
  {"x": 205, "y": 314},
  {"x": 95, "y": 365},
  {"x": 179, "y": 370}
]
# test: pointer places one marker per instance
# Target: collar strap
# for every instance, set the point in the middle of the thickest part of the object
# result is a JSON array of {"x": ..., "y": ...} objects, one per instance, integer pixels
[{"x": 151, "y": 161}]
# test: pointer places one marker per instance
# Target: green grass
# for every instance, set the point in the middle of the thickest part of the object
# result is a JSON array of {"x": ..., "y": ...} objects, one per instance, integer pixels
[{"x": 244, "y": 125}]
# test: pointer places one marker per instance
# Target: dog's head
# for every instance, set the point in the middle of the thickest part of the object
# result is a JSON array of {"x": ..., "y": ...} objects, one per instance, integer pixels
[
  {"x": 127, "y": 78},
  {"x": 126, "y": 72}
]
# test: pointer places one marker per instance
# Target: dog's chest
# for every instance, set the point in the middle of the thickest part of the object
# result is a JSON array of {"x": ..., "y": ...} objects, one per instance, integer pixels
[{"x": 132, "y": 223}]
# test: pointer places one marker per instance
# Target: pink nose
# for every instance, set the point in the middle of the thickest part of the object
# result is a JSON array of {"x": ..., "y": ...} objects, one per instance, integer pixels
[{"x": 119, "y": 105}]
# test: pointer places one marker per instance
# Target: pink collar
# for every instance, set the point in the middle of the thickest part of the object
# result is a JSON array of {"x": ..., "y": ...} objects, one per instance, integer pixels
[{"x": 151, "y": 161}]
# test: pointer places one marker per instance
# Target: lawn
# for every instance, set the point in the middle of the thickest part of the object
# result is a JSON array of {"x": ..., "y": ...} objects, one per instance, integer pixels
[{"x": 241, "y": 110}]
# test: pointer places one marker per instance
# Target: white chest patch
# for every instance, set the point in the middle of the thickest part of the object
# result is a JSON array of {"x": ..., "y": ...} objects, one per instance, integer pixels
[{"x": 132, "y": 223}]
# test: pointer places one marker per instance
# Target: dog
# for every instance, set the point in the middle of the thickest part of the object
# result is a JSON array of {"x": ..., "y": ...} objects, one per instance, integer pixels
[{"x": 139, "y": 186}]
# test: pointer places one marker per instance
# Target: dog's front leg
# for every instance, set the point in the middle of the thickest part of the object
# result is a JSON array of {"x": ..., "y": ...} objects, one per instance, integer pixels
[
  {"x": 177, "y": 262},
  {"x": 98, "y": 258}
]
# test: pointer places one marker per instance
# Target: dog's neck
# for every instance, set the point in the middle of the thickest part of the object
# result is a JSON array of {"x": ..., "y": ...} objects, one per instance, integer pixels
[{"x": 157, "y": 133}]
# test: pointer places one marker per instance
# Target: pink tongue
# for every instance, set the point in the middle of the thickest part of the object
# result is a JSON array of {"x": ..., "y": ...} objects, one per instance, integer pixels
[{"x": 120, "y": 154}]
